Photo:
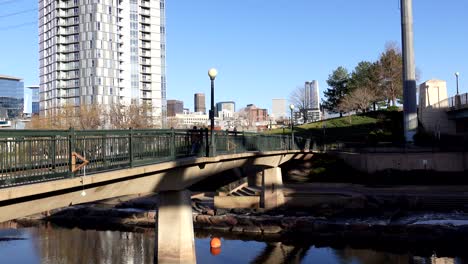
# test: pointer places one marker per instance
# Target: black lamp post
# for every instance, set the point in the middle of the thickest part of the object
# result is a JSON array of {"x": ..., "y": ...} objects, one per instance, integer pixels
[
  {"x": 456, "y": 75},
  {"x": 292, "y": 126},
  {"x": 212, "y": 73}
]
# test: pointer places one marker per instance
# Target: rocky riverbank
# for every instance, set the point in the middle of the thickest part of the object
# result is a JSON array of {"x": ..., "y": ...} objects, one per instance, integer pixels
[{"x": 402, "y": 227}]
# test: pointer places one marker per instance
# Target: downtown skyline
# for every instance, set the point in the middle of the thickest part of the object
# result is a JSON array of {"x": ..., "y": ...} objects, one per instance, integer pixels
[{"x": 264, "y": 50}]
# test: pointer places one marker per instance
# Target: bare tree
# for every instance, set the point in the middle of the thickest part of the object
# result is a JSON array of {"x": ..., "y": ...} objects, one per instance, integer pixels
[
  {"x": 346, "y": 105},
  {"x": 92, "y": 116},
  {"x": 247, "y": 117},
  {"x": 140, "y": 115},
  {"x": 38, "y": 122},
  {"x": 299, "y": 99},
  {"x": 96, "y": 116},
  {"x": 132, "y": 116},
  {"x": 363, "y": 97},
  {"x": 173, "y": 122},
  {"x": 116, "y": 116},
  {"x": 359, "y": 99},
  {"x": 65, "y": 117}
]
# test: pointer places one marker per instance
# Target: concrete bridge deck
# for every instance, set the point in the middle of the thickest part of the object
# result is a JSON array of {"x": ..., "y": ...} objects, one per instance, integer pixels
[{"x": 177, "y": 175}]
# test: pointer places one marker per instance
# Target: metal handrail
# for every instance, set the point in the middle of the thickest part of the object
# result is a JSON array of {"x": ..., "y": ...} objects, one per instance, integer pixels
[
  {"x": 458, "y": 101},
  {"x": 29, "y": 156}
]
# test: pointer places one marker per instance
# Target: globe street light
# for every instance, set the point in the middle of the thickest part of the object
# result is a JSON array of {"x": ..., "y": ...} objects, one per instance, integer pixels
[
  {"x": 212, "y": 73},
  {"x": 456, "y": 75},
  {"x": 291, "y": 106}
]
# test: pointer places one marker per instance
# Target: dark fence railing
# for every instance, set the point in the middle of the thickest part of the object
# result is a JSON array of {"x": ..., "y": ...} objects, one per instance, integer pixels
[
  {"x": 458, "y": 101},
  {"x": 28, "y": 156},
  {"x": 445, "y": 143},
  {"x": 453, "y": 103}
]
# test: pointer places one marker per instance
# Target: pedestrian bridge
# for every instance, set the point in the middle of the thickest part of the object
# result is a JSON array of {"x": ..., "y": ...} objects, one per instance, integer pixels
[
  {"x": 45, "y": 170},
  {"x": 457, "y": 106}
]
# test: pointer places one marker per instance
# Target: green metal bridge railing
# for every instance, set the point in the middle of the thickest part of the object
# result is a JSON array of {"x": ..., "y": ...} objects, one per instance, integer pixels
[{"x": 30, "y": 156}]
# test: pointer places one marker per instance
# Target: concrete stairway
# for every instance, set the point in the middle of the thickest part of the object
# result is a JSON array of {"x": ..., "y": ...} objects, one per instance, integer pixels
[
  {"x": 245, "y": 190},
  {"x": 242, "y": 196}
]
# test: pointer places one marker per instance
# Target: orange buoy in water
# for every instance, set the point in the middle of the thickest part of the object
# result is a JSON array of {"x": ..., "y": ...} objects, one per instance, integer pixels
[
  {"x": 215, "y": 242},
  {"x": 215, "y": 251}
]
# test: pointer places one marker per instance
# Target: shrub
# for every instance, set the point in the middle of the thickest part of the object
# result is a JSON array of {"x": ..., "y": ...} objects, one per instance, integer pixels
[{"x": 393, "y": 108}]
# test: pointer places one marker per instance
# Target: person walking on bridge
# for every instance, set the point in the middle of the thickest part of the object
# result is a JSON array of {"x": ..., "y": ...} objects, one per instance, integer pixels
[{"x": 195, "y": 139}]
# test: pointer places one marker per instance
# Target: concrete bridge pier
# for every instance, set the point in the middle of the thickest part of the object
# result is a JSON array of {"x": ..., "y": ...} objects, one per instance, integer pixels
[
  {"x": 175, "y": 242},
  {"x": 255, "y": 179},
  {"x": 272, "y": 195}
]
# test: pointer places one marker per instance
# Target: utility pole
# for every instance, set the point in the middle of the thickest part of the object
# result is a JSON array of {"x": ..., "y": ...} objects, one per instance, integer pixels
[{"x": 410, "y": 117}]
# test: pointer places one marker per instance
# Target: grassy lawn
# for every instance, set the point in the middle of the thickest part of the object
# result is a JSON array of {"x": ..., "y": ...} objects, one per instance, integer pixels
[{"x": 373, "y": 126}]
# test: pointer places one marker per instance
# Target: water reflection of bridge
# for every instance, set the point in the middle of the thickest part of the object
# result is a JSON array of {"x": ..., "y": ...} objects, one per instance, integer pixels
[{"x": 91, "y": 246}]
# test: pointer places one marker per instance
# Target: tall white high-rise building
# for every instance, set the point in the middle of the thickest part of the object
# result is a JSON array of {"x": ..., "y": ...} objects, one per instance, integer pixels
[
  {"x": 102, "y": 52},
  {"x": 312, "y": 96},
  {"x": 312, "y": 101}
]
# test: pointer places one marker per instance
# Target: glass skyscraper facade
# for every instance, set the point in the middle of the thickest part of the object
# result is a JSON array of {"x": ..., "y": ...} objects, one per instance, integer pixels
[{"x": 11, "y": 96}]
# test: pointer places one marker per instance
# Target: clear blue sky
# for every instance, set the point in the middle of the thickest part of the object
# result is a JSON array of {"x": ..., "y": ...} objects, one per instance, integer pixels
[{"x": 263, "y": 49}]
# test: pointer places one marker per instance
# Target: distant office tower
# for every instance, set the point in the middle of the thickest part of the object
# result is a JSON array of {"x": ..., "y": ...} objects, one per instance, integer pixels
[
  {"x": 312, "y": 97},
  {"x": 174, "y": 107},
  {"x": 199, "y": 99},
  {"x": 312, "y": 102},
  {"x": 102, "y": 52},
  {"x": 31, "y": 100},
  {"x": 226, "y": 106},
  {"x": 11, "y": 96},
  {"x": 279, "y": 108}
]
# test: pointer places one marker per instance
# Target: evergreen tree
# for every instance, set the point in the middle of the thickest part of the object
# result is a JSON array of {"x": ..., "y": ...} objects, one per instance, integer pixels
[
  {"x": 366, "y": 76},
  {"x": 338, "y": 88}
]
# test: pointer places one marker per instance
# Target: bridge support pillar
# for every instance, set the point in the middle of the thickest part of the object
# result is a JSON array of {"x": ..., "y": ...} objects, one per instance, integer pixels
[
  {"x": 255, "y": 179},
  {"x": 175, "y": 241},
  {"x": 272, "y": 188}
]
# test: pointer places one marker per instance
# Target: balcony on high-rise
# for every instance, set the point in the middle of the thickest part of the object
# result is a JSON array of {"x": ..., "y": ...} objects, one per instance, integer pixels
[
  {"x": 145, "y": 45},
  {"x": 145, "y": 36},
  {"x": 146, "y": 62},
  {"x": 67, "y": 4},
  {"x": 67, "y": 31},
  {"x": 144, "y": 3},
  {"x": 145, "y": 11},
  {"x": 145, "y": 53},
  {"x": 145, "y": 28},
  {"x": 68, "y": 13},
  {"x": 145, "y": 77}
]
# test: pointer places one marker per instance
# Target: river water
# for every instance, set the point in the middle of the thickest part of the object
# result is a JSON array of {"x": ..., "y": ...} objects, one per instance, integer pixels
[{"x": 50, "y": 244}]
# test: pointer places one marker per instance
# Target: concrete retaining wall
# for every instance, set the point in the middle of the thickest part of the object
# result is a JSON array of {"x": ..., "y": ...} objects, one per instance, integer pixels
[
  {"x": 373, "y": 162},
  {"x": 229, "y": 202}
]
